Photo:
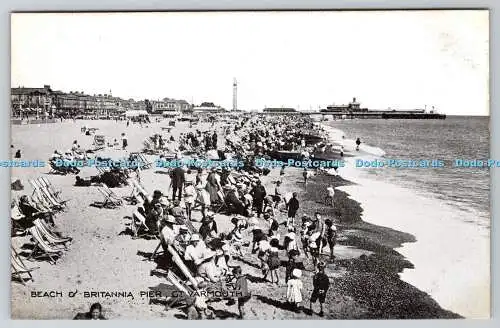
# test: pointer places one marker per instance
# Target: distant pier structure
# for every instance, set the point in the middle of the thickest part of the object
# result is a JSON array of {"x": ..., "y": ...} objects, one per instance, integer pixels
[{"x": 235, "y": 94}]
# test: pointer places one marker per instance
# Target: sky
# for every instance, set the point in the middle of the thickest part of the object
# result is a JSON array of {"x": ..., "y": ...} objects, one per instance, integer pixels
[{"x": 305, "y": 60}]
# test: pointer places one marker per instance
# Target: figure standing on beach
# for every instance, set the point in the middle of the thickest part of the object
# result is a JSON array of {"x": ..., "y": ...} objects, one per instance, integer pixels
[
  {"x": 177, "y": 179},
  {"x": 294, "y": 290},
  {"x": 321, "y": 284},
  {"x": 293, "y": 207},
  {"x": 305, "y": 175},
  {"x": 358, "y": 142},
  {"x": 258, "y": 193},
  {"x": 124, "y": 141},
  {"x": 242, "y": 286},
  {"x": 189, "y": 197},
  {"x": 330, "y": 196},
  {"x": 331, "y": 237}
]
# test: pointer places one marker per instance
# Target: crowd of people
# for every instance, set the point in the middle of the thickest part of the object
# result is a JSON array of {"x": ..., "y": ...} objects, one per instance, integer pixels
[{"x": 212, "y": 255}]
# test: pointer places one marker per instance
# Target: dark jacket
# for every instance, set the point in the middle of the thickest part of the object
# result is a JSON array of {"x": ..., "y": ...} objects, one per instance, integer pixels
[
  {"x": 293, "y": 205},
  {"x": 321, "y": 281},
  {"x": 177, "y": 176},
  {"x": 258, "y": 192}
]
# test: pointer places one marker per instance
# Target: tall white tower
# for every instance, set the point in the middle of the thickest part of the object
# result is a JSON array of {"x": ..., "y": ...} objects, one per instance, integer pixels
[{"x": 235, "y": 94}]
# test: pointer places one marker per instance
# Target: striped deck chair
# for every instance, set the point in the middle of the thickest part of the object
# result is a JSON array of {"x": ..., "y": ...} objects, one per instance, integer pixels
[
  {"x": 43, "y": 193},
  {"x": 139, "y": 227},
  {"x": 42, "y": 248},
  {"x": 19, "y": 268},
  {"x": 41, "y": 204},
  {"x": 137, "y": 189},
  {"x": 50, "y": 236},
  {"x": 111, "y": 199}
]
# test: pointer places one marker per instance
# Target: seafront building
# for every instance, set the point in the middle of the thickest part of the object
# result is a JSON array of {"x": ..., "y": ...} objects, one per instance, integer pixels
[{"x": 45, "y": 101}]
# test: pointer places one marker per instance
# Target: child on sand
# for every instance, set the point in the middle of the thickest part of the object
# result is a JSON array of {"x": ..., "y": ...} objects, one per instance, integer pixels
[
  {"x": 291, "y": 265},
  {"x": 241, "y": 286},
  {"x": 294, "y": 290},
  {"x": 321, "y": 283},
  {"x": 273, "y": 260},
  {"x": 305, "y": 174}
]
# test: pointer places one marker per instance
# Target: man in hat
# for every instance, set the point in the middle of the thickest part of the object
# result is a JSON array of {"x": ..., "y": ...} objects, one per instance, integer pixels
[
  {"x": 177, "y": 178},
  {"x": 258, "y": 193},
  {"x": 182, "y": 239},
  {"x": 207, "y": 268},
  {"x": 153, "y": 219},
  {"x": 293, "y": 207},
  {"x": 321, "y": 284}
]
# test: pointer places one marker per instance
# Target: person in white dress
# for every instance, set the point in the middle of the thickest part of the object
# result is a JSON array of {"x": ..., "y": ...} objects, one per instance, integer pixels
[{"x": 294, "y": 289}]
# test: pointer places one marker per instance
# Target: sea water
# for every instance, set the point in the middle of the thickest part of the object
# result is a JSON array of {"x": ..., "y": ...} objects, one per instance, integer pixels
[{"x": 445, "y": 207}]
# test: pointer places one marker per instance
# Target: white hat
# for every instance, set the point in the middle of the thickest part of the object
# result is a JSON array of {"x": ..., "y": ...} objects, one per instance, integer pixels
[
  {"x": 297, "y": 273},
  {"x": 208, "y": 254},
  {"x": 194, "y": 237}
]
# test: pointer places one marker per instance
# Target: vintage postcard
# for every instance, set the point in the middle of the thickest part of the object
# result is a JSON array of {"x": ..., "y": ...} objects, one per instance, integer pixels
[{"x": 250, "y": 165}]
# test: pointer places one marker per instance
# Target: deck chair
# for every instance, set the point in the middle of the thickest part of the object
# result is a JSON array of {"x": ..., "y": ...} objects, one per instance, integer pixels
[
  {"x": 144, "y": 162},
  {"x": 138, "y": 225},
  {"x": 109, "y": 200},
  {"x": 50, "y": 186},
  {"x": 221, "y": 205},
  {"x": 99, "y": 142},
  {"x": 19, "y": 268},
  {"x": 50, "y": 236},
  {"x": 54, "y": 169},
  {"x": 56, "y": 194},
  {"x": 42, "y": 192},
  {"x": 137, "y": 189},
  {"x": 42, "y": 248}
]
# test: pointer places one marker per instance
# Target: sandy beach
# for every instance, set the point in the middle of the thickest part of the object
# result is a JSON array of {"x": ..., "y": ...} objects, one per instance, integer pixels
[{"x": 366, "y": 282}]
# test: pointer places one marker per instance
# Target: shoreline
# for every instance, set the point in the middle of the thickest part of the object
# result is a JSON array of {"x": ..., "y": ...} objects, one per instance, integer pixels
[
  {"x": 370, "y": 280},
  {"x": 427, "y": 220}
]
